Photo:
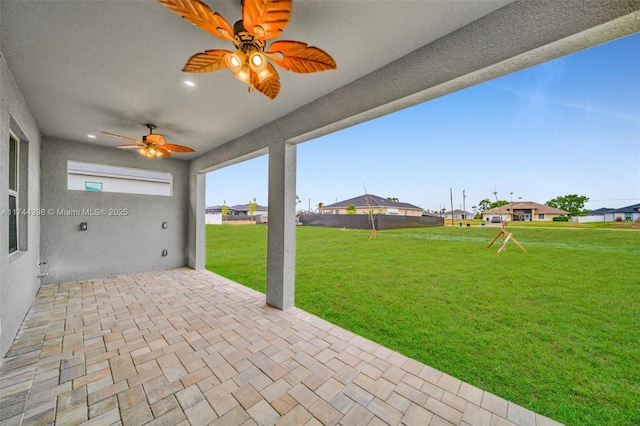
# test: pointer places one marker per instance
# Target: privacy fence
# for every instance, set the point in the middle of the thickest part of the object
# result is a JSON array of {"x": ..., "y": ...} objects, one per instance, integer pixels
[{"x": 361, "y": 221}]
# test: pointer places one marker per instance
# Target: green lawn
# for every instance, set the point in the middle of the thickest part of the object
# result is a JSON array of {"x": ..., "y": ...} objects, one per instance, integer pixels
[{"x": 556, "y": 330}]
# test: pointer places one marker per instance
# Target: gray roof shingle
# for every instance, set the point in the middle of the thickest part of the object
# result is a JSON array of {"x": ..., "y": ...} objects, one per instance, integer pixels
[{"x": 373, "y": 201}]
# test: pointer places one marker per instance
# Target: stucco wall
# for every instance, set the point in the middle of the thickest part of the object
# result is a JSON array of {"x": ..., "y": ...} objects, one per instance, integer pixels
[
  {"x": 18, "y": 281},
  {"x": 126, "y": 234}
]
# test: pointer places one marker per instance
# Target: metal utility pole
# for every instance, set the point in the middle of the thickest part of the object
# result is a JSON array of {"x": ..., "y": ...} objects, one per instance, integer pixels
[
  {"x": 451, "y": 195},
  {"x": 464, "y": 208}
]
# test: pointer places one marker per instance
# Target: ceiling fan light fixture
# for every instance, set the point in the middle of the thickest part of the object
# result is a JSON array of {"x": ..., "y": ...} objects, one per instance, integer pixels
[
  {"x": 264, "y": 75},
  {"x": 244, "y": 74},
  {"x": 235, "y": 61},
  {"x": 153, "y": 145},
  {"x": 257, "y": 61}
]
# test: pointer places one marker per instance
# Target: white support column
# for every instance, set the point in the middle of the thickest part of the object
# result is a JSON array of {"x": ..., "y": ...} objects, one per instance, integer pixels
[
  {"x": 281, "y": 246},
  {"x": 196, "y": 251}
]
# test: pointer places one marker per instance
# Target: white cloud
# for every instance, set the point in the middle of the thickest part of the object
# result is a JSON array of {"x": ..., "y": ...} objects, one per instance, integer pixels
[{"x": 539, "y": 96}]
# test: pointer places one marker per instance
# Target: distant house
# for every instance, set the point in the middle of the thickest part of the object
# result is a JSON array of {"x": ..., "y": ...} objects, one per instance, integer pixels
[
  {"x": 596, "y": 215},
  {"x": 243, "y": 210},
  {"x": 627, "y": 214},
  {"x": 216, "y": 210},
  {"x": 599, "y": 211},
  {"x": 367, "y": 202},
  {"x": 237, "y": 210},
  {"x": 524, "y": 211},
  {"x": 458, "y": 214},
  {"x": 606, "y": 214}
]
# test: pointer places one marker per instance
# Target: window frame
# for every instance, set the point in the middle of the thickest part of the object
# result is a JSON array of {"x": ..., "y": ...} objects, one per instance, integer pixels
[
  {"x": 127, "y": 179},
  {"x": 15, "y": 192}
]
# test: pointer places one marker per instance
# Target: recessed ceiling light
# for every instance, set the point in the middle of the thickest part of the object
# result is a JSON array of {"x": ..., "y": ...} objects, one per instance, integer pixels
[
  {"x": 91, "y": 136},
  {"x": 189, "y": 83}
]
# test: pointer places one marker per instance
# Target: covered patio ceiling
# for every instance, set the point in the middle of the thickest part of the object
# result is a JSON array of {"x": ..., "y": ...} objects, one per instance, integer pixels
[
  {"x": 90, "y": 66},
  {"x": 87, "y": 66}
]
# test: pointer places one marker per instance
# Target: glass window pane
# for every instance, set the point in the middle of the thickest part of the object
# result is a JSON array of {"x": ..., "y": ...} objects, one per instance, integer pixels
[
  {"x": 13, "y": 164},
  {"x": 93, "y": 186},
  {"x": 13, "y": 225}
]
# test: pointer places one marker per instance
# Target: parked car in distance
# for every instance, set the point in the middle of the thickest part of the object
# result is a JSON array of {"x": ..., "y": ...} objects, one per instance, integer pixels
[{"x": 496, "y": 219}]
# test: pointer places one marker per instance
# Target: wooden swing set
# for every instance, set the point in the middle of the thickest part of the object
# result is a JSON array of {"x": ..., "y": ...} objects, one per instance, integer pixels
[
  {"x": 507, "y": 236},
  {"x": 504, "y": 234}
]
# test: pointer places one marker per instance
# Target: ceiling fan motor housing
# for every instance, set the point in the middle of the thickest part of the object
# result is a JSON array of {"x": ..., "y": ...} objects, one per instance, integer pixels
[
  {"x": 244, "y": 41},
  {"x": 249, "y": 56}
]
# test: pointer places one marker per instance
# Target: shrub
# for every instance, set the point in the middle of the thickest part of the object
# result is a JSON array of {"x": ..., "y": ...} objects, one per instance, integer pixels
[
  {"x": 561, "y": 219},
  {"x": 618, "y": 218}
]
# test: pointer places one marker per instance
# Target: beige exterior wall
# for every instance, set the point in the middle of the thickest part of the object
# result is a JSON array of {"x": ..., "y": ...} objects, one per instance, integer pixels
[{"x": 548, "y": 217}]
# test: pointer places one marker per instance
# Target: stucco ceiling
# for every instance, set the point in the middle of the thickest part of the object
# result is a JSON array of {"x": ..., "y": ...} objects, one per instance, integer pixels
[{"x": 87, "y": 66}]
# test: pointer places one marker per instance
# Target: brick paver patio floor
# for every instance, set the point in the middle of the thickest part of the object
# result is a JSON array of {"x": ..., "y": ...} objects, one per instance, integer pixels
[{"x": 184, "y": 347}]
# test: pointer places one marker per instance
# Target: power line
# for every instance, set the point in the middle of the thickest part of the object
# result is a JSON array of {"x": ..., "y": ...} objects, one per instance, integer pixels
[{"x": 618, "y": 199}]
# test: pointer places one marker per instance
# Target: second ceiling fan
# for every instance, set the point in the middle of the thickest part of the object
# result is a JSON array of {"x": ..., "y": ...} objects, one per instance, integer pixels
[
  {"x": 261, "y": 20},
  {"x": 153, "y": 145}
]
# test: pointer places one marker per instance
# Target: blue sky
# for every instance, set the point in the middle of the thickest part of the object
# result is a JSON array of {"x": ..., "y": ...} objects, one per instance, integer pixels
[{"x": 568, "y": 126}]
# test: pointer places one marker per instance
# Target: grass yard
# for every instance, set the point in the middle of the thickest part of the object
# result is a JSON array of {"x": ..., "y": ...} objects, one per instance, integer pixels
[{"x": 556, "y": 330}]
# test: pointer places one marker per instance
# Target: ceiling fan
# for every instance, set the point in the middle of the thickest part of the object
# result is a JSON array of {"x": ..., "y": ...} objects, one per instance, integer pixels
[
  {"x": 153, "y": 145},
  {"x": 261, "y": 20}
]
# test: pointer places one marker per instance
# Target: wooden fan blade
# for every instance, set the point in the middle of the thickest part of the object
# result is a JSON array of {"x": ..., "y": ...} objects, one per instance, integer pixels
[
  {"x": 298, "y": 57},
  {"x": 163, "y": 149},
  {"x": 156, "y": 138},
  {"x": 125, "y": 138},
  {"x": 270, "y": 15},
  {"x": 200, "y": 15},
  {"x": 176, "y": 148},
  {"x": 209, "y": 61},
  {"x": 129, "y": 146},
  {"x": 270, "y": 87}
]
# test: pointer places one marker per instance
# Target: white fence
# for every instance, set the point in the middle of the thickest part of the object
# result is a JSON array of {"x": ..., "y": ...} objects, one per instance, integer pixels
[
  {"x": 587, "y": 219},
  {"x": 213, "y": 219}
]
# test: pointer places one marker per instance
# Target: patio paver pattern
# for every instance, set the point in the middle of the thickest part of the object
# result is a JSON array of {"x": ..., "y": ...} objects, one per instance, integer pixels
[{"x": 185, "y": 347}]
